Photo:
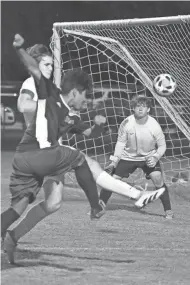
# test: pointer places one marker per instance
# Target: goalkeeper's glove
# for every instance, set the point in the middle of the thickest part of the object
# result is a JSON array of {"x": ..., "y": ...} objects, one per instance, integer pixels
[{"x": 110, "y": 169}]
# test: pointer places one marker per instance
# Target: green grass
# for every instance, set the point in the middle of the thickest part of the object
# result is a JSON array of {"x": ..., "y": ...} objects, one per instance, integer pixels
[{"x": 126, "y": 246}]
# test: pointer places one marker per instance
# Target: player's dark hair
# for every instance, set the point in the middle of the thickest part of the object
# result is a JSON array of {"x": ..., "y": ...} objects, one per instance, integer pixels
[
  {"x": 76, "y": 78},
  {"x": 38, "y": 51},
  {"x": 142, "y": 99}
]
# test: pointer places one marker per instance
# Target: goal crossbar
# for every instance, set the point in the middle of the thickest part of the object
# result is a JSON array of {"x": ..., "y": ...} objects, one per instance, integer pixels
[{"x": 128, "y": 22}]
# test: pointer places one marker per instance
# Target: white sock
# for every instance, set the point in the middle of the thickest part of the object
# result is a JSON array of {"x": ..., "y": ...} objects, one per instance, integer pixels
[{"x": 117, "y": 186}]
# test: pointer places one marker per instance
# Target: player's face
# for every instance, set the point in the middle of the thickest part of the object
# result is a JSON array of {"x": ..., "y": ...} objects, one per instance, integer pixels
[
  {"x": 46, "y": 66},
  {"x": 141, "y": 110},
  {"x": 80, "y": 100}
]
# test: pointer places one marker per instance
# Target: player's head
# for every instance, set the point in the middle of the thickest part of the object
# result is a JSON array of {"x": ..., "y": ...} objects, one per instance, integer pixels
[
  {"x": 77, "y": 86},
  {"x": 141, "y": 106},
  {"x": 44, "y": 58}
]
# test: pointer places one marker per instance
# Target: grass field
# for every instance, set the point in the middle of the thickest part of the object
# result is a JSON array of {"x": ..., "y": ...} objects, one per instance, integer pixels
[{"x": 126, "y": 246}]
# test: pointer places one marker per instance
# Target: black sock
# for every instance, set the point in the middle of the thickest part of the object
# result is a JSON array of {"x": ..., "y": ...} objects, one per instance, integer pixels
[
  {"x": 105, "y": 195},
  {"x": 165, "y": 199},
  {"x": 8, "y": 218},
  {"x": 87, "y": 183}
]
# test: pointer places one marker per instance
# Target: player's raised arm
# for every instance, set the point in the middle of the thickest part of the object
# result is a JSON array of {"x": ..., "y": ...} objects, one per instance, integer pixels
[{"x": 29, "y": 62}]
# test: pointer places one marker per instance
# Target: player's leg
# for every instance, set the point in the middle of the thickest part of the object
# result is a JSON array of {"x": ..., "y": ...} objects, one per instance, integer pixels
[
  {"x": 13, "y": 213},
  {"x": 53, "y": 192},
  {"x": 22, "y": 187},
  {"x": 157, "y": 178},
  {"x": 123, "y": 169},
  {"x": 71, "y": 159}
]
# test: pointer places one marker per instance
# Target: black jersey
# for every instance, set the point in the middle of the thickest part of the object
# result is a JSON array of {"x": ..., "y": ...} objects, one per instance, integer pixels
[{"x": 52, "y": 118}]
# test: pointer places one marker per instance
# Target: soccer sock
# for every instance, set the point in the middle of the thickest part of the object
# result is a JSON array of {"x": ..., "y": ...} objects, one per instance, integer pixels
[
  {"x": 105, "y": 195},
  {"x": 87, "y": 183},
  {"x": 165, "y": 199},
  {"x": 117, "y": 186},
  {"x": 8, "y": 218},
  {"x": 33, "y": 216}
]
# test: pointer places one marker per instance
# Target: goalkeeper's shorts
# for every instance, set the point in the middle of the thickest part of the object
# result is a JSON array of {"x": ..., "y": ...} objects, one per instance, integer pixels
[{"x": 127, "y": 167}]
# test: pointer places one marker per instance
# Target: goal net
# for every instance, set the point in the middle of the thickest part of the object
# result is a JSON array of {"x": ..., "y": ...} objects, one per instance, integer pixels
[{"x": 123, "y": 57}]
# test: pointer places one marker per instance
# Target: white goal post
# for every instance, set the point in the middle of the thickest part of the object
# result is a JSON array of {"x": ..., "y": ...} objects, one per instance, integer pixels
[{"x": 123, "y": 57}]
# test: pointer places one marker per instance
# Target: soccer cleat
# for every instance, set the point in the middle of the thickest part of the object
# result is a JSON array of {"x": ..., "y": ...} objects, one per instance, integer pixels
[
  {"x": 10, "y": 247},
  {"x": 169, "y": 215},
  {"x": 96, "y": 214},
  {"x": 148, "y": 197}
]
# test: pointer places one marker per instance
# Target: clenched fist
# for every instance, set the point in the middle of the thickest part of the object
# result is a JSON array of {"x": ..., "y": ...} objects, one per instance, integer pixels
[
  {"x": 18, "y": 41},
  {"x": 99, "y": 119}
]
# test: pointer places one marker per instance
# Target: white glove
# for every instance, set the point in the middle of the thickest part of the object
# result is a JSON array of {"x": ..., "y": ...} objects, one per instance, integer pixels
[{"x": 151, "y": 161}]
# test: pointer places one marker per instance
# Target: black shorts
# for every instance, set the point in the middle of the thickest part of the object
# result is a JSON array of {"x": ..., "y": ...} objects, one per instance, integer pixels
[
  {"x": 127, "y": 167},
  {"x": 30, "y": 168}
]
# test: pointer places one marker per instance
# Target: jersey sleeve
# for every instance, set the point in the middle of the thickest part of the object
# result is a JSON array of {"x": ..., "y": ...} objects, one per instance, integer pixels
[
  {"x": 122, "y": 132},
  {"x": 160, "y": 140},
  {"x": 28, "y": 87}
]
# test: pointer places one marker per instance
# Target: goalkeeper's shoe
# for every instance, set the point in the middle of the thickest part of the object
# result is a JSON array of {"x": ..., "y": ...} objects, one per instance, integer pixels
[
  {"x": 97, "y": 213},
  {"x": 148, "y": 197},
  {"x": 10, "y": 247}
]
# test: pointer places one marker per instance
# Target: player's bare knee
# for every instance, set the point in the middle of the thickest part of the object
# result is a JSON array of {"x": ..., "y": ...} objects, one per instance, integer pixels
[
  {"x": 52, "y": 206},
  {"x": 157, "y": 178}
]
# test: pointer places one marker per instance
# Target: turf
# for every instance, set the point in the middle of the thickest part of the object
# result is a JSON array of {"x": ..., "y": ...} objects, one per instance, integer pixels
[{"x": 126, "y": 246}]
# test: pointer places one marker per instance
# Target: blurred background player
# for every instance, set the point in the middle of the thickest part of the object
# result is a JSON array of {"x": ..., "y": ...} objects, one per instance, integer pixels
[{"x": 140, "y": 144}]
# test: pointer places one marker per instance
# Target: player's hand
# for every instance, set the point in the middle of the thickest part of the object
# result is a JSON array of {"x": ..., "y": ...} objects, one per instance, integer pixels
[
  {"x": 18, "y": 41},
  {"x": 99, "y": 119},
  {"x": 110, "y": 168},
  {"x": 151, "y": 161}
]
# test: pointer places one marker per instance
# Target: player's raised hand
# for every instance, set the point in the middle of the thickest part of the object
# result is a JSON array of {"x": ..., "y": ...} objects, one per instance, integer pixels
[
  {"x": 18, "y": 41},
  {"x": 99, "y": 119}
]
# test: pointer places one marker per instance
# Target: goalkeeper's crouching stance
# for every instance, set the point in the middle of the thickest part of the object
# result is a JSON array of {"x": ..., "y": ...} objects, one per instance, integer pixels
[{"x": 140, "y": 144}]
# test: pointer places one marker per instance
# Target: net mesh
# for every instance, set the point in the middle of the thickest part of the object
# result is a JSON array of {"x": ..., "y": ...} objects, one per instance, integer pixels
[{"x": 123, "y": 61}]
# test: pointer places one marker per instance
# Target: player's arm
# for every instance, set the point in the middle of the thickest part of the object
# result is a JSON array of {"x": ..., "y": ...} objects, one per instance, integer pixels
[
  {"x": 121, "y": 142},
  {"x": 161, "y": 142},
  {"x": 28, "y": 61},
  {"x": 25, "y": 102},
  {"x": 96, "y": 129},
  {"x": 80, "y": 127}
]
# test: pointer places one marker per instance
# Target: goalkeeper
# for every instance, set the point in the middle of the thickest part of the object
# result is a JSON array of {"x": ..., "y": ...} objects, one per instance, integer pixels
[{"x": 140, "y": 144}]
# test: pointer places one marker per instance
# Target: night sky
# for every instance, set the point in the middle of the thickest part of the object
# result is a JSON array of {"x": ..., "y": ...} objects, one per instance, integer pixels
[{"x": 34, "y": 20}]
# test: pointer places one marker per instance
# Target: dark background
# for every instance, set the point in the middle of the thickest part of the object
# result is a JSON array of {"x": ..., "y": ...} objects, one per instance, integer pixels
[{"x": 34, "y": 20}]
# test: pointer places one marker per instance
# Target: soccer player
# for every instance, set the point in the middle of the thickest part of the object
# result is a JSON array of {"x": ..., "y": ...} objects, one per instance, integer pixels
[
  {"x": 140, "y": 144},
  {"x": 36, "y": 158}
]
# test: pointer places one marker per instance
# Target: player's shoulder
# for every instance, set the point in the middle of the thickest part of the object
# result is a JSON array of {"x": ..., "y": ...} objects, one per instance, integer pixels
[
  {"x": 128, "y": 120},
  {"x": 28, "y": 82},
  {"x": 153, "y": 124},
  {"x": 152, "y": 120}
]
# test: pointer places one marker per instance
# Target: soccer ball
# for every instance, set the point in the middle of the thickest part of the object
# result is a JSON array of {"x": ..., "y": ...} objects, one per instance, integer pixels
[{"x": 165, "y": 85}]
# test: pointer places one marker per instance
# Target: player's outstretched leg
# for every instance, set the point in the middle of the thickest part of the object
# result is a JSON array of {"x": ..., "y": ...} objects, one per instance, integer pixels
[
  {"x": 148, "y": 197},
  {"x": 87, "y": 183}
]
